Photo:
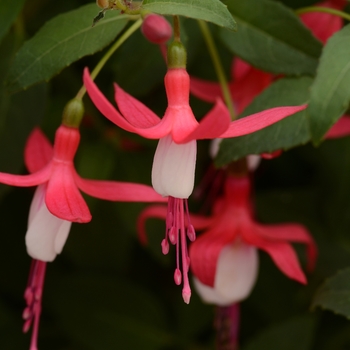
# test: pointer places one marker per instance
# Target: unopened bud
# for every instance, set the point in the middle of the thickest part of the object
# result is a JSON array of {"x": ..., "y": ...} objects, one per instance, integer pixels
[
  {"x": 156, "y": 29},
  {"x": 103, "y": 4},
  {"x": 73, "y": 113}
]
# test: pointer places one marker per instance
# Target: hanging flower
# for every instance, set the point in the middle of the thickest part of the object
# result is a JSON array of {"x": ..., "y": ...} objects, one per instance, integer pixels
[
  {"x": 174, "y": 161},
  {"x": 57, "y": 201},
  {"x": 224, "y": 258},
  {"x": 175, "y": 157},
  {"x": 56, "y": 204}
]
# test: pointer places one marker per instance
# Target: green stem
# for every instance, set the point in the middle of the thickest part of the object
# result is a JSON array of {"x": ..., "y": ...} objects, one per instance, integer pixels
[
  {"x": 108, "y": 54},
  {"x": 176, "y": 28},
  {"x": 218, "y": 66},
  {"x": 323, "y": 9}
]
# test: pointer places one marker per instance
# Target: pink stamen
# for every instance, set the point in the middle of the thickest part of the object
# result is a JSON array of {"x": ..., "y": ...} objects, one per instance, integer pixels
[
  {"x": 33, "y": 296},
  {"x": 177, "y": 232},
  {"x": 177, "y": 277},
  {"x": 165, "y": 246}
]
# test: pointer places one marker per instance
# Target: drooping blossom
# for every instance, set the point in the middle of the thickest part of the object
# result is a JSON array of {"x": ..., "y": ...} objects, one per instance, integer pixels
[
  {"x": 224, "y": 258},
  {"x": 175, "y": 157},
  {"x": 246, "y": 83},
  {"x": 57, "y": 197},
  {"x": 56, "y": 204},
  {"x": 324, "y": 25}
]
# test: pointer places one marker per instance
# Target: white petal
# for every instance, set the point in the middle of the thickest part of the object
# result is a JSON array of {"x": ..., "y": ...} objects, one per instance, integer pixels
[
  {"x": 174, "y": 167},
  {"x": 236, "y": 271},
  {"x": 235, "y": 277},
  {"x": 209, "y": 295},
  {"x": 46, "y": 234},
  {"x": 37, "y": 202},
  {"x": 62, "y": 235}
]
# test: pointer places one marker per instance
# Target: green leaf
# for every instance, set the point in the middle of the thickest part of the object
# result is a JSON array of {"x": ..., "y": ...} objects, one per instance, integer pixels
[
  {"x": 19, "y": 113},
  {"x": 24, "y": 111},
  {"x": 9, "y": 11},
  {"x": 295, "y": 333},
  {"x": 60, "y": 42},
  {"x": 272, "y": 38},
  {"x": 330, "y": 92},
  {"x": 285, "y": 134},
  {"x": 334, "y": 295},
  {"x": 208, "y": 10}
]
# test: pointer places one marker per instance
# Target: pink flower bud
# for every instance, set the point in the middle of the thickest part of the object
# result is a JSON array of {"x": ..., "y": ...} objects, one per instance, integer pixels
[{"x": 156, "y": 29}]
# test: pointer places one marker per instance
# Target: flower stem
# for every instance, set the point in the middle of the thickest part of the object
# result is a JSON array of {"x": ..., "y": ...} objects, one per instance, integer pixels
[
  {"x": 177, "y": 28},
  {"x": 323, "y": 9},
  {"x": 218, "y": 66},
  {"x": 227, "y": 321},
  {"x": 108, "y": 54}
]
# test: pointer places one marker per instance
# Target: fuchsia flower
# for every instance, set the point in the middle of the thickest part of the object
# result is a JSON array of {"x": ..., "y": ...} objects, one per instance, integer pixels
[
  {"x": 247, "y": 82},
  {"x": 57, "y": 201},
  {"x": 56, "y": 204},
  {"x": 174, "y": 161},
  {"x": 324, "y": 25},
  {"x": 224, "y": 258}
]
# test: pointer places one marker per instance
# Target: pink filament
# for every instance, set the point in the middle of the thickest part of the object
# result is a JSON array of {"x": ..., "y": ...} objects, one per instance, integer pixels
[
  {"x": 33, "y": 296},
  {"x": 177, "y": 232}
]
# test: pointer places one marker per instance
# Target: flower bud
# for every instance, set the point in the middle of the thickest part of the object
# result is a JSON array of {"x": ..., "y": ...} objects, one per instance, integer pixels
[
  {"x": 103, "y": 4},
  {"x": 177, "y": 55},
  {"x": 156, "y": 29},
  {"x": 73, "y": 113}
]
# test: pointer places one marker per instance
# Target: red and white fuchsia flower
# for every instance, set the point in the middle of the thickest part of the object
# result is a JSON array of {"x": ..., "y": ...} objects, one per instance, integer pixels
[
  {"x": 175, "y": 157},
  {"x": 224, "y": 258},
  {"x": 178, "y": 130},
  {"x": 57, "y": 203}
]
